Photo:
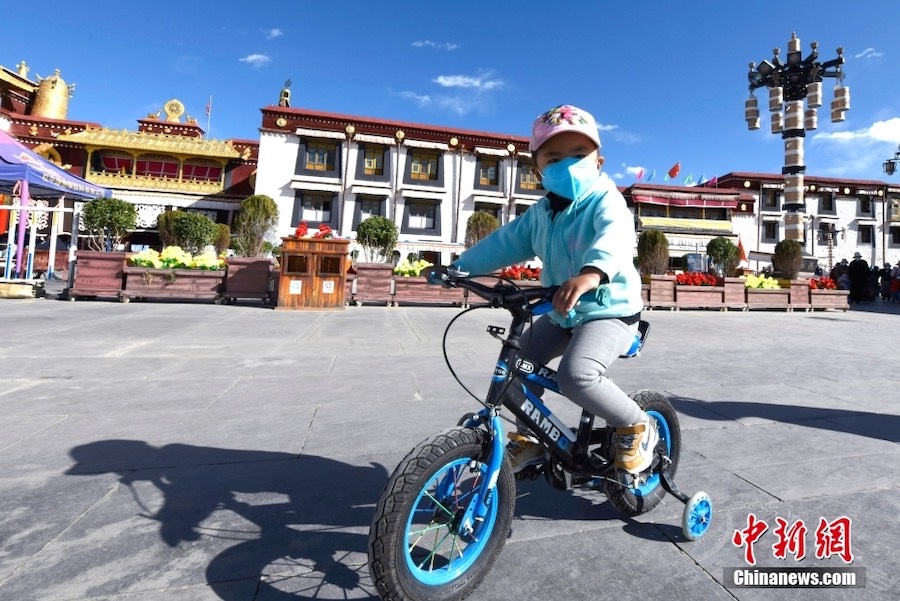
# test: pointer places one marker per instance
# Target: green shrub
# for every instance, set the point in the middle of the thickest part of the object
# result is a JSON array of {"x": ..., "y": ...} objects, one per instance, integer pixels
[
  {"x": 107, "y": 221},
  {"x": 164, "y": 224},
  {"x": 788, "y": 258},
  {"x": 479, "y": 225},
  {"x": 377, "y": 235},
  {"x": 653, "y": 252},
  {"x": 193, "y": 231},
  {"x": 724, "y": 254},
  {"x": 222, "y": 240},
  {"x": 258, "y": 217}
]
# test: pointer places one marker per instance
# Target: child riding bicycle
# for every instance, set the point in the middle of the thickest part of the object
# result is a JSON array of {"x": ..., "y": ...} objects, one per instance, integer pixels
[{"x": 584, "y": 233}]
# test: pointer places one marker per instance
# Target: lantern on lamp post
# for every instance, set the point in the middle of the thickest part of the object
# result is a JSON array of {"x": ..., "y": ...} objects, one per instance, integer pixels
[{"x": 789, "y": 84}]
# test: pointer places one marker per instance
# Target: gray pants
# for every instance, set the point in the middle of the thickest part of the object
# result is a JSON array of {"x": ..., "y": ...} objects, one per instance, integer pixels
[{"x": 586, "y": 355}]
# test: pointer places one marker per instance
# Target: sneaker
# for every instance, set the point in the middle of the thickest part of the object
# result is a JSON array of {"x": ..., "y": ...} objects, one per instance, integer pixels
[
  {"x": 523, "y": 451},
  {"x": 635, "y": 445}
]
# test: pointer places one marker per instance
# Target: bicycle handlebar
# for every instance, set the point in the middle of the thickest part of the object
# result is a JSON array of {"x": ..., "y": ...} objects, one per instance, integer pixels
[{"x": 519, "y": 301}]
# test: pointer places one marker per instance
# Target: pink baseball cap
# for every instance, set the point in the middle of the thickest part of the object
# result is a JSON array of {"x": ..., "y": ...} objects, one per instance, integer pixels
[{"x": 562, "y": 119}]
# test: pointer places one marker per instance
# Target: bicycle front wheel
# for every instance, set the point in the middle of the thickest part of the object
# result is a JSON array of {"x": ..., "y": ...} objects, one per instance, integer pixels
[{"x": 417, "y": 549}]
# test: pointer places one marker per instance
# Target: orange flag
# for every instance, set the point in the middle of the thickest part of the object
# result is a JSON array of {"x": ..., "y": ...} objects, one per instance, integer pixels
[
  {"x": 675, "y": 170},
  {"x": 741, "y": 252}
]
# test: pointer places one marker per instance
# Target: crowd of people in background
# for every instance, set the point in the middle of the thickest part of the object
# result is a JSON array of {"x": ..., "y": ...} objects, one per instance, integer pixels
[{"x": 867, "y": 284}]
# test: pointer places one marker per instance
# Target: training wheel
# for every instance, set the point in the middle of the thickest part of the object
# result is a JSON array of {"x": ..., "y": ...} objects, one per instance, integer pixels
[{"x": 697, "y": 516}]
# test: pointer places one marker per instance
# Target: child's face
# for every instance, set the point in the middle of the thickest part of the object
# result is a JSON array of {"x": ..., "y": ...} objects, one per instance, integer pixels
[{"x": 565, "y": 145}]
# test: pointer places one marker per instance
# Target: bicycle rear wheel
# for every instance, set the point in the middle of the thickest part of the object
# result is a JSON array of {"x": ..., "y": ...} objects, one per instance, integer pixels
[
  {"x": 416, "y": 548},
  {"x": 636, "y": 497}
]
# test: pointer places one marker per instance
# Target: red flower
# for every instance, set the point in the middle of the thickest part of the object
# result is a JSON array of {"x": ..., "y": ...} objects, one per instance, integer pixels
[{"x": 301, "y": 230}]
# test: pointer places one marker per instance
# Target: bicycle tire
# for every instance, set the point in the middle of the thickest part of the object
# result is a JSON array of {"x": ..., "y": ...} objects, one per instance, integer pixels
[
  {"x": 403, "y": 566},
  {"x": 635, "y": 500}
]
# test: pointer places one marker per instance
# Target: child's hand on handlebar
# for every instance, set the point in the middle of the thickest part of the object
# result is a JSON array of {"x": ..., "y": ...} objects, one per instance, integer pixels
[{"x": 568, "y": 294}]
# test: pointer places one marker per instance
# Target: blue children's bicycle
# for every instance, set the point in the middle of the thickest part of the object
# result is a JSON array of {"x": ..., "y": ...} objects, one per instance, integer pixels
[{"x": 445, "y": 512}]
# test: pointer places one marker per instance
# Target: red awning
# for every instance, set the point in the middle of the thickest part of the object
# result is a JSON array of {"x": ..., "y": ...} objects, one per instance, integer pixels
[{"x": 694, "y": 201}]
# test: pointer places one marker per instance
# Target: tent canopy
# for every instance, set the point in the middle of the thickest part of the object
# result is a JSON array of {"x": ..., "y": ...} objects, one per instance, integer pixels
[{"x": 18, "y": 163}]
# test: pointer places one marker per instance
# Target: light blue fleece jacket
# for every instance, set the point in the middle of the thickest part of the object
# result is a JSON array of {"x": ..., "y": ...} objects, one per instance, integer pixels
[{"x": 596, "y": 231}]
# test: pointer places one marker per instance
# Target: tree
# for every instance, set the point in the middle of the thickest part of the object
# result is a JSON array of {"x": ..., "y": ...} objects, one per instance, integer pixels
[
  {"x": 223, "y": 238},
  {"x": 653, "y": 252},
  {"x": 724, "y": 254},
  {"x": 258, "y": 216},
  {"x": 479, "y": 225},
  {"x": 107, "y": 221},
  {"x": 164, "y": 223},
  {"x": 377, "y": 235},
  {"x": 788, "y": 258}
]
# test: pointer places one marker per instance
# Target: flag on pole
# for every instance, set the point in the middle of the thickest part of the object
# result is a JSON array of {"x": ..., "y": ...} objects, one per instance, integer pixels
[
  {"x": 639, "y": 175},
  {"x": 742, "y": 254},
  {"x": 702, "y": 179},
  {"x": 209, "y": 106},
  {"x": 689, "y": 179},
  {"x": 714, "y": 181},
  {"x": 652, "y": 175},
  {"x": 675, "y": 170}
]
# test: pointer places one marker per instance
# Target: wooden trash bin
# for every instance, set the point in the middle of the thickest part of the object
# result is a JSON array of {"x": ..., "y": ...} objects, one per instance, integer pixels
[{"x": 313, "y": 273}]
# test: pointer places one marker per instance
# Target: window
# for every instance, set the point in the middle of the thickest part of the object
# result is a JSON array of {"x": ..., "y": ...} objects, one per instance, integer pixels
[
  {"x": 157, "y": 166},
  {"x": 205, "y": 172},
  {"x": 528, "y": 179},
  {"x": 826, "y": 202},
  {"x": 895, "y": 236},
  {"x": 490, "y": 208},
  {"x": 117, "y": 163},
  {"x": 770, "y": 199},
  {"x": 373, "y": 163},
  {"x": 686, "y": 212},
  {"x": 424, "y": 165},
  {"x": 520, "y": 209},
  {"x": 370, "y": 207},
  {"x": 770, "y": 230},
  {"x": 866, "y": 206},
  {"x": 316, "y": 208},
  {"x": 867, "y": 235},
  {"x": 894, "y": 211},
  {"x": 487, "y": 171},
  {"x": 320, "y": 156},
  {"x": 421, "y": 215}
]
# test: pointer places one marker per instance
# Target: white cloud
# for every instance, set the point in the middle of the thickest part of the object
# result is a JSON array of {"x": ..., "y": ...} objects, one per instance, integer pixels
[
  {"x": 256, "y": 60},
  {"x": 421, "y": 100},
  {"x": 429, "y": 44},
  {"x": 274, "y": 33},
  {"x": 479, "y": 82},
  {"x": 848, "y": 153},
  {"x": 869, "y": 53}
]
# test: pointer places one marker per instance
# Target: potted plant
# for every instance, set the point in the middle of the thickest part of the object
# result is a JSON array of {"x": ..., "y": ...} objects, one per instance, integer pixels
[
  {"x": 174, "y": 274},
  {"x": 377, "y": 236},
  {"x": 764, "y": 292},
  {"x": 99, "y": 267},
  {"x": 698, "y": 290},
  {"x": 786, "y": 261},
  {"x": 824, "y": 294},
  {"x": 251, "y": 273},
  {"x": 653, "y": 263},
  {"x": 725, "y": 257}
]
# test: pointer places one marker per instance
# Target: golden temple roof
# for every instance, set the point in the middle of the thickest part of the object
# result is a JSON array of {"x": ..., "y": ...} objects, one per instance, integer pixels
[{"x": 153, "y": 142}]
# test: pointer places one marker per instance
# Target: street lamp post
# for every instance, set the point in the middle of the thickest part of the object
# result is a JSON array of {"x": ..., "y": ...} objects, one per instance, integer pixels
[
  {"x": 890, "y": 165},
  {"x": 789, "y": 84}
]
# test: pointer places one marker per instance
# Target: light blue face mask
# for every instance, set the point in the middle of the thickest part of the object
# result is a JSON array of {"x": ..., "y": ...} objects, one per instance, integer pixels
[{"x": 571, "y": 177}]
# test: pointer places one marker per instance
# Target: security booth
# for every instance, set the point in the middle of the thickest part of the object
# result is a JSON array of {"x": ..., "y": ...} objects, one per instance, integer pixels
[{"x": 313, "y": 273}]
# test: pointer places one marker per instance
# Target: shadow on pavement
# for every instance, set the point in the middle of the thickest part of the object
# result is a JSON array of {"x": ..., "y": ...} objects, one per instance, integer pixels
[{"x": 308, "y": 512}]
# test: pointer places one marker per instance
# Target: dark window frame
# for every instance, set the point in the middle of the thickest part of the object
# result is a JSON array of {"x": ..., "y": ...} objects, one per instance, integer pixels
[
  {"x": 765, "y": 233},
  {"x": 823, "y": 210},
  {"x": 357, "y": 207},
  {"x": 405, "y": 227},
  {"x": 438, "y": 181},
  {"x": 480, "y": 166},
  {"x": 297, "y": 209},
  {"x": 866, "y": 234},
  {"x": 335, "y": 152},
  {"x": 525, "y": 167},
  {"x": 387, "y": 161}
]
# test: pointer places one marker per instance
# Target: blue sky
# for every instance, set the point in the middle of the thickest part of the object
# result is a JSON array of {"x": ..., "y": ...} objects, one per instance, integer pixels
[{"x": 667, "y": 81}]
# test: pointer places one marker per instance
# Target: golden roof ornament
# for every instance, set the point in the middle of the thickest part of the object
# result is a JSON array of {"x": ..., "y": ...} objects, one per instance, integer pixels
[
  {"x": 285, "y": 98},
  {"x": 174, "y": 110}
]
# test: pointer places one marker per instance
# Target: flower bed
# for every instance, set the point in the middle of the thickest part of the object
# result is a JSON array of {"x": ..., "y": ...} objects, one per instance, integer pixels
[{"x": 174, "y": 274}]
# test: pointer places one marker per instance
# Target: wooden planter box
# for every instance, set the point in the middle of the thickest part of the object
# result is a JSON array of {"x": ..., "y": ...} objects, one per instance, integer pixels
[
  {"x": 799, "y": 295},
  {"x": 698, "y": 297},
  {"x": 416, "y": 289},
  {"x": 42, "y": 261},
  {"x": 734, "y": 296},
  {"x": 98, "y": 274},
  {"x": 829, "y": 300},
  {"x": 174, "y": 284},
  {"x": 374, "y": 283},
  {"x": 249, "y": 277},
  {"x": 763, "y": 298},
  {"x": 661, "y": 293}
]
